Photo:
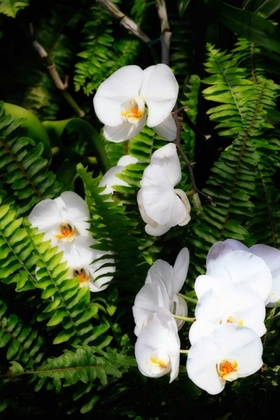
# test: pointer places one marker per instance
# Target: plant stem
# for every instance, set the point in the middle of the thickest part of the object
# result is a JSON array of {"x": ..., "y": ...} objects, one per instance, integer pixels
[
  {"x": 184, "y": 318},
  {"x": 55, "y": 76},
  {"x": 187, "y": 298},
  {"x": 178, "y": 145},
  {"x": 166, "y": 34}
]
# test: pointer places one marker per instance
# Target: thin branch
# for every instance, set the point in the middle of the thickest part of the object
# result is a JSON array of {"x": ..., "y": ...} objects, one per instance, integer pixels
[
  {"x": 178, "y": 145},
  {"x": 165, "y": 36},
  {"x": 124, "y": 20},
  {"x": 55, "y": 76}
]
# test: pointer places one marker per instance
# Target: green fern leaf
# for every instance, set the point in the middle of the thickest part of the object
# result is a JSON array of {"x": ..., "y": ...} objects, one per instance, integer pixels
[{"x": 11, "y": 7}]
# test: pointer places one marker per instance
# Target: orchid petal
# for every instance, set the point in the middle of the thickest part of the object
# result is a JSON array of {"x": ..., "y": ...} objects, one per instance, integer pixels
[
  {"x": 160, "y": 91},
  {"x": 217, "y": 251},
  {"x": 167, "y": 129},
  {"x": 252, "y": 271},
  {"x": 123, "y": 131},
  {"x": 147, "y": 301},
  {"x": 121, "y": 86},
  {"x": 236, "y": 245},
  {"x": 127, "y": 160},
  {"x": 271, "y": 257},
  {"x": 163, "y": 271},
  {"x": 159, "y": 199},
  {"x": 181, "y": 267},
  {"x": 167, "y": 158},
  {"x": 110, "y": 179}
]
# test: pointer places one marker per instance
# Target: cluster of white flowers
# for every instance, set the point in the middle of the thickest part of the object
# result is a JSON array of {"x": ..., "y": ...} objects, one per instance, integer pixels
[
  {"x": 229, "y": 318},
  {"x": 64, "y": 221},
  {"x": 157, "y": 347},
  {"x": 120, "y": 103},
  {"x": 225, "y": 338}
]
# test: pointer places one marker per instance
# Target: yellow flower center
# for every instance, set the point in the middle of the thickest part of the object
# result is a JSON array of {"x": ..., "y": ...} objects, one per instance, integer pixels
[
  {"x": 227, "y": 370},
  {"x": 159, "y": 361},
  {"x": 66, "y": 232},
  {"x": 233, "y": 320},
  {"x": 133, "y": 110}
]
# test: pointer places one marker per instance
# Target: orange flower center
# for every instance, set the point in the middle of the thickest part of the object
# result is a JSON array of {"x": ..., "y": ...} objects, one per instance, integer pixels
[
  {"x": 133, "y": 110},
  {"x": 227, "y": 370},
  {"x": 66, "y": 233},
  {"x": 82, "y": 274}
]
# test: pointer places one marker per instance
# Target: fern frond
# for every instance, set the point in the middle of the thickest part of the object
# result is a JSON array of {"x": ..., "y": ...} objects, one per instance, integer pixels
[
  {"x": 102, "y": 54},
  {"x": 24, "y": 171},
  {"x": 11, "y": 7},
  {"x": 66, "y": 303},
  {"x": 116, "y": 233},
  {"x": 181, "y": 52},
  {"x": 232, "y": 183},
  {"x": 22, "y": 342}
]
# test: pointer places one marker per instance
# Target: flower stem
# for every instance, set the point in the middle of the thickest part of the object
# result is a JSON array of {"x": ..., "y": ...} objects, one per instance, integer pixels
[
  {"x": 184, "y": 351},
  {"x": 184, "y": 318},
  {"x": 187, "y": 298},
  {"x": 189, "y": 164}
]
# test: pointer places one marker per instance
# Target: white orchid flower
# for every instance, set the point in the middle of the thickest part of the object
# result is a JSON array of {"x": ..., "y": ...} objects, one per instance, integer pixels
[
  {"x": 235, "y": 304},
  {"x": 229, "y": 353},
  {"x": 62, "y": 219},
  {"x": 162, "y": 284},
  {"x": 87, "y": 263},
  {"x": 110, "y": 179},
  {"x": 120, "y": 102},
  {"x": 157, "y": 349},
  {"x": 161, "y": 206},
  {"x": 225, "y": 267}
]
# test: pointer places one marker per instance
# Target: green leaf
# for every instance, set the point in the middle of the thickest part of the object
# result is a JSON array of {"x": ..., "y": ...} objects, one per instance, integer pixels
[
  {"x": 268, "y": 7},
  {"x": 63, "y": 336},
  {"x": 250, "y": 26},
  {"x": 182, "y": 6},
  {"x": 89, "y": 405},
  {"x": 57, "y": 317},
  {"x": 16, "y": 368},
  {"x": 11, "y": 7}
]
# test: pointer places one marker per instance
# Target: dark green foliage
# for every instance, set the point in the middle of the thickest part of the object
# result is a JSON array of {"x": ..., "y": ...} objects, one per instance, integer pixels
[
  {"x": 100, "y": 47},
  {"x": 24, "y": 172},
  {"x": 241, "y": 117},
  {"x": 22, "y": 342}
]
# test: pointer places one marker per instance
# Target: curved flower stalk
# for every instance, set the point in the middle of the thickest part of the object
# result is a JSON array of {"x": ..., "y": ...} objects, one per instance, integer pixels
[
  {"x": 157, "y": 349},
  {"x": 120, "y": 102},
  {"x": 226, "y": 267},
  {"x": 228, "y": 353},
  {"x": 110, "y": 179},
  {"x": 271, "y": 257},
  {"x": 62, "y": 219},
  {"x": 161, "y": 206},
  {"x": 87, "y": 264},
  {"x": 162, "y": 284}
]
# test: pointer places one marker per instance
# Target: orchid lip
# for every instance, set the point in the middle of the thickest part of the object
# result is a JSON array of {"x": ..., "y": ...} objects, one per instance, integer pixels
[
  {"x": 227, "y": 370},
  {"x": 66, "y": 233},
  {"x": 133, "y": 110},
  {"x": 83, "y": 275}
]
